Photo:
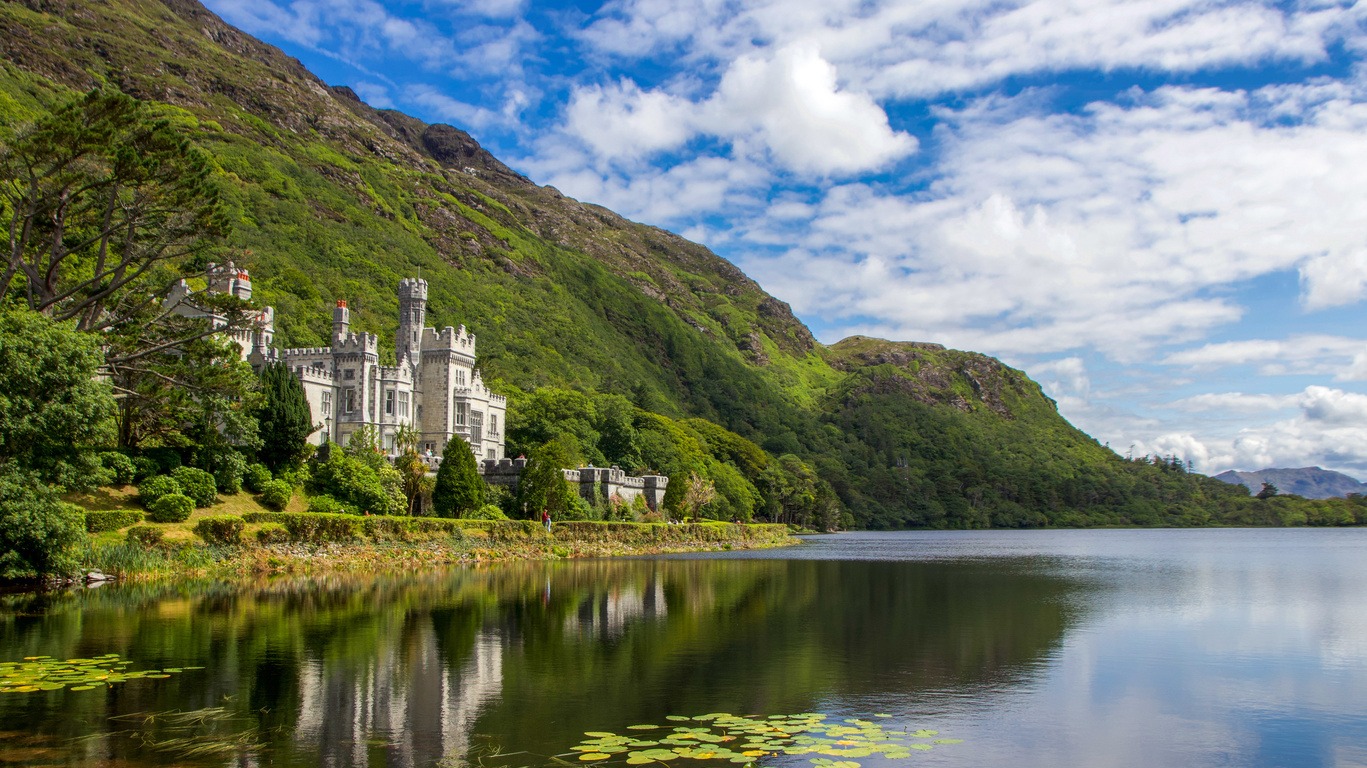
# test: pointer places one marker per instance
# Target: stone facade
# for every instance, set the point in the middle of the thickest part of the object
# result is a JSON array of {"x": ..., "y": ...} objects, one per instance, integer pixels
[
  {"x": 434, "y": 388},
  {"x": 596, "y": 485}
]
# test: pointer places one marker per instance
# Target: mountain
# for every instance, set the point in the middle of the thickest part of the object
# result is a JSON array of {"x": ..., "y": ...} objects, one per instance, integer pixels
[
  {"x": 1310, "y": 482},
  {"x": 332, "y": 199}
]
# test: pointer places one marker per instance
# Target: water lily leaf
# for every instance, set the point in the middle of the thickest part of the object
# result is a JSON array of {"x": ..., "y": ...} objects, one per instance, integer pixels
[
  {"x": 643, "y": 727},
  {"x": 593, "y": 756},
  {"x": 599, "y": 734},
  {"x": 638, "y": 760},
  {"x": 925, "y": 734},
  {"x": 676, "y": 718},
  {"x": 880, "y": 714},
  {"x": 949, "y": 741}
]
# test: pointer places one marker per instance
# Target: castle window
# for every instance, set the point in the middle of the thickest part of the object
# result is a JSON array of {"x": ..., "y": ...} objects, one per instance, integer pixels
[
  {"x": 327, "y": 403},
  {"x": 460, "y": 378},
  {"x": 349, "y": 399},
  {"x": 476, "y": 427},
  {"x": 489, "y": 454},
  {"x": 403, "y": 405},
  {"x": 460, "y": 414},
  {"x": 389, "y": 402},
  {"x": 493, "y": 425},
  {"x": 349, "y": 373}
]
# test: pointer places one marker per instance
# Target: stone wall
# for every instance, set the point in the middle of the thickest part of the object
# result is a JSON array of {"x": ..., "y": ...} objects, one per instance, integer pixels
[{"x": 596, "y": 485}]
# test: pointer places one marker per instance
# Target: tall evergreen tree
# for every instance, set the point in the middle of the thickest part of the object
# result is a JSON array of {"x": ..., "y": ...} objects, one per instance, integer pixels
[
  {"x": 459, "y": 487},
  {"x": 283, "y": 419}
]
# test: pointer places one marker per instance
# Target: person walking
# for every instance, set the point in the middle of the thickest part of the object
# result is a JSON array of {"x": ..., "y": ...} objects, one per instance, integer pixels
[{"x": 546, "y": 520}]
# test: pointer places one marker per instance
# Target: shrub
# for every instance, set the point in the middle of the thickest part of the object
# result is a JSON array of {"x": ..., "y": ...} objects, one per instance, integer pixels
[
  {"x": 377, "y": 490},
  {"x": 119, "y": 466},
  {"x": 111, "y": 520},
  {"x": 326, "y": 505},
  {"x": 255, "y": 477},
  {"x": 155, "y": 487},
  {"x": 273, "y": 533},
  {"x": 229, "y": 467},
  {"x": 459, "y": 488},
  {"x": 276, "y": 494},
  {"x": 487, "y": 512},
  {"x": 171, "y": 508},
  {"x": 221, "y": 529},
  {"x": 143, "y": 468},
  {"x": 197, "y": 484},
  {"x": 166, "y": 459},
  {"x": 38, "y": 531},
  {"x": 146, "y": 535}
]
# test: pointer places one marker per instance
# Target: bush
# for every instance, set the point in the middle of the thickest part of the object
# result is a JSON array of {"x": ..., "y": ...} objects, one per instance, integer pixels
[
  {"x": 229, "y": 467},
  {"x": 304, "y": 526},
  {"x": 326, "y": 505},
  {"x": 255, "y": 477},
  {"x": 119, "y": 466},
  {"x": 166, "y": 459},
  {"x": 197, "y": 484},
  {"x": 171, "y": 508},
  {"x": 111, "y": 520},
  {"x": 154, "y": 488},
  {"x": 146, "y": 535},
  {"x": 221, "y": 529},
  {"x": 38, "y": 531},
  {"x": 487, "y": 512},
  {"x": 273, "y": 533},
  {"x": 277, "y": 494},
  {"x": 143, "y": 468}
]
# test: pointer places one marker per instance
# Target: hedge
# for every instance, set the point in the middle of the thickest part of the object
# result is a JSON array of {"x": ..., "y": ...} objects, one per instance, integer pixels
[
  {"x": 221, "y": 529},
  {"x": 333, "y": 528},
  {"x": 197, "y": 484},
  {"x": 171, "y": 508},
  {"x": 146, "y": 535},
  {"x": 272, "y": 533},
  {"x": 255, "y": 477},
  {"x": 111, "y": 519},
  {"x": 276, "y": 494},
  {"x": 154, "y": 488}
]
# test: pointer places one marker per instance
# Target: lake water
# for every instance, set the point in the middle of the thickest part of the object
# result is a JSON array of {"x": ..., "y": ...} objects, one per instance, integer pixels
[{"x": 1041, "y": 648}]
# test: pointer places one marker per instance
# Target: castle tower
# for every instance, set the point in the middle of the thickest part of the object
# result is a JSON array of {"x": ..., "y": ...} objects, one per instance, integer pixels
[
  {"x": 231, "y": 279},
  {"x": 412, "y": 318},
  {"x": 341, "y": 321}
]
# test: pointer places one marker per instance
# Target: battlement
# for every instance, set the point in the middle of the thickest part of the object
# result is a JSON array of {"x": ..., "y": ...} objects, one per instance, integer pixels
[
  {"x": 362, "y": 343},
  {"x": 317, "y": 372},
  {"x": 229, "y": 278},
  {"x": 448, "y": 338},
  {"x": 395, "y": 373},
  {"x": 306, "y": 352},
  {"x": 411, "y": 288}
]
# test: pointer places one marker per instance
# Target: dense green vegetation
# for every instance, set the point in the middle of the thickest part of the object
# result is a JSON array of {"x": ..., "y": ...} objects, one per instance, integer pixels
[{"x": 617, "y": 343}]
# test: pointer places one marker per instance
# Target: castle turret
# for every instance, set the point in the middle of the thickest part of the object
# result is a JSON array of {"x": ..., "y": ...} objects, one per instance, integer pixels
[
  {"x": 341, "y": 321},
  {"x": 231, "y": 279},
  {"x": 412, "y": 318}
]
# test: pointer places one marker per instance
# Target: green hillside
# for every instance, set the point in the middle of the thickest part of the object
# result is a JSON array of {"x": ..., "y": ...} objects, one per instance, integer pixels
[{"x": 331, "y": 199}]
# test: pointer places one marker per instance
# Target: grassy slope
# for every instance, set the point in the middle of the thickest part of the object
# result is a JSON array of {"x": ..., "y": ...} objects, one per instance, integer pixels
[{"x": 333, "y": 199}]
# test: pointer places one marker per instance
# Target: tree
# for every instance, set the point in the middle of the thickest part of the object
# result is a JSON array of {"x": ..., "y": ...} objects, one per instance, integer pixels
[
  {"x": 1268, "y": 491},
  {"x": 38, "y": 531},
  {"x": 284, "y": 420},
  {"x": 51, "y": 404},
  {"x": 542, "y": 484},
  {"x": 411, "y": 467},
  {"x": 698, "y": 493},
  {"x": 459, "y": 487}
]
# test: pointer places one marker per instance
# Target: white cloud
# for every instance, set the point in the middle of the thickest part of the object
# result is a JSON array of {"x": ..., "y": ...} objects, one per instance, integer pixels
[
  {"x": 1343, "y": 358},
  {"x": 1063, "y": 377},
  {"x": 1236, "y": 402},
  {"x": 786, "y": 106},
  {"x": 453, "y": 110}
]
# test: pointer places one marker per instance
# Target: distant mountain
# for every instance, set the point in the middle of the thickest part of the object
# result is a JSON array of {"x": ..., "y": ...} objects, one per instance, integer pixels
[{"x": 1310, "y": 482}]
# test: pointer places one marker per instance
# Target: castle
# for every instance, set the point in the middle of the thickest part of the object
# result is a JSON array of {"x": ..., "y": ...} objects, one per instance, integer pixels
[{"x": 433, "y": 388}]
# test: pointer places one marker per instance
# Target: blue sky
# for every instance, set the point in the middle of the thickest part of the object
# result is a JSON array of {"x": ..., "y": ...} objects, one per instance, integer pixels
[{"x": 1156, "y": 208}]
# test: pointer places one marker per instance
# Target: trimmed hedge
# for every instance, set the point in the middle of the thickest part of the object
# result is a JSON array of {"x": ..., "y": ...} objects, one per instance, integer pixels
[
  {"x": 111, "y": 519},
  {"x": 146, "y": 535},
  {"x": 197, "y": 484},
  {"x": 154, "y": 488},
  {"x": 331, "y": 528},
  {"x": 171, "y": 508},
  {"x": 277, "y": 494},
  {"x": 221, "y": 529},
  {"x": 486, "y": 512},
  {"x": 272, "y": 533}
]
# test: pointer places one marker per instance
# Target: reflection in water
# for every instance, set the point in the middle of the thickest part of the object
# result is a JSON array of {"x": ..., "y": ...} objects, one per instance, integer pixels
[
  {"x": 405, "y": 671},
  {"x": 1125, "y": 648}
]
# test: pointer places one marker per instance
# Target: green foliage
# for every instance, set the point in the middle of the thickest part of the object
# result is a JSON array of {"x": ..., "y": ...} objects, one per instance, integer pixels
[
  {"x": 197, "y": 484},
  {"x": 272, "y": 533},
  {"x": 143, "y": 468},
  {"x": 221, "y": 529},
  {"x": 542, "y": 485},
  {"x": 171, "y": 508},
  {"x": 154, "y": 488},
  {"x": 145, "y": 535},
  {"x": 459, "y": 489},
  {"x": 229, "y": 469},
  {"x": 99, "y": 521},
  {"x": 38, "y": 531},
  {"x": 486, "y": 512},
  {"x": 255, "y": 477},
  {"x": 51, "y": 404},
  {"x": 284, "y": 418},
  {"x": 326, "y": 505},
  {"x": 120, "y": 467},
  {"x": 276, "y": 494},
  {"x": 354, "y": 478}
]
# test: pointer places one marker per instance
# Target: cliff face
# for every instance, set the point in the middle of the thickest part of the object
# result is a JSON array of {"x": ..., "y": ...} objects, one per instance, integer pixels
[{"x": 333, "y": 199}]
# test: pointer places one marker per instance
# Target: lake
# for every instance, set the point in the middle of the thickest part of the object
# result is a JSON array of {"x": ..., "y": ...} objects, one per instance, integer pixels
[{"x": 1031, "y": 648}]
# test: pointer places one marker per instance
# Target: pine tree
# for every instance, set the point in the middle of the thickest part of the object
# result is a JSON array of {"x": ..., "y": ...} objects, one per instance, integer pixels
[
  {"x": 459, "y": 487},
  {"x": 284, "y": 419}
]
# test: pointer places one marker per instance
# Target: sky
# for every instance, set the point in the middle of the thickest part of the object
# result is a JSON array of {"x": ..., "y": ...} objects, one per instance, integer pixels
[{"x": 1156, "y": 208}]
